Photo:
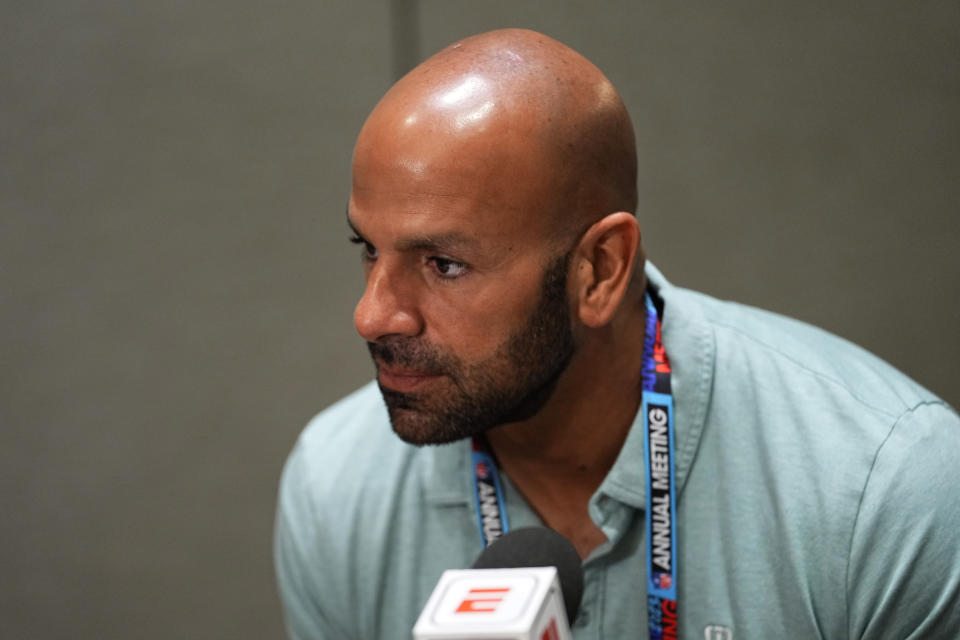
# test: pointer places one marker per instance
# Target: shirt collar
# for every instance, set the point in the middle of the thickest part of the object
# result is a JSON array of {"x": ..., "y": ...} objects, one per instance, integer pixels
[
  {"x": 688, "y": 341},
  {"x": 450, "y": 481}
]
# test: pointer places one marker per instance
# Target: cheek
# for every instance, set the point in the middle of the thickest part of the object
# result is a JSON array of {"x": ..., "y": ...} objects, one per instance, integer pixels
[{"x": 474, "y": 326}]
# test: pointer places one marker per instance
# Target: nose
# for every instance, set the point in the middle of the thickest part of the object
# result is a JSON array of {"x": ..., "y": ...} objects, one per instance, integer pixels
[{"x": 386, "y": 308}]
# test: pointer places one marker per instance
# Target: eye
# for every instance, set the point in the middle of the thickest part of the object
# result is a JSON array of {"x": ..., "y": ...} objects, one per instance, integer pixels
[
  {"x": 447, "y": 269},
  {"x": 369, "y": 251}
]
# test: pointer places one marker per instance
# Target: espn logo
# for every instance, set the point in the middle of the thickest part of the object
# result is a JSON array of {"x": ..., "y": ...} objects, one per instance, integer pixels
[
  {"x": 483, "y": 600},
  {"x": 523, "y": 602}
]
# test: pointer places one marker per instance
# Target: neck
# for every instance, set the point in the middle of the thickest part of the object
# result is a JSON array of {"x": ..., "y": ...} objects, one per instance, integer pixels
[
  {"x": 558, "y": 458},
  {"x": 572, "y": 443}
]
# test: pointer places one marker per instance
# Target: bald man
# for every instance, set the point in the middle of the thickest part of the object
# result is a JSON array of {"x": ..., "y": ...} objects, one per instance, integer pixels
[{"x": 786, "y": 483}]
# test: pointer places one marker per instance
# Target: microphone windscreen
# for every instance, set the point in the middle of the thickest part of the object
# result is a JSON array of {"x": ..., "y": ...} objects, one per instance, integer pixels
[{"x": 539, "y": 547}]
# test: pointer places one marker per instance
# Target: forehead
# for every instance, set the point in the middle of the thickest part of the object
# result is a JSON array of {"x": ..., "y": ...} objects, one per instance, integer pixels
[
  {"x": 407, "y": 187},
  {"x": 409, "y": 221}
]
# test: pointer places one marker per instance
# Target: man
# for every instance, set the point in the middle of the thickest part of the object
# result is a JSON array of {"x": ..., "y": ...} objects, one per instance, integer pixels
[{"x": 508, "y": 306}]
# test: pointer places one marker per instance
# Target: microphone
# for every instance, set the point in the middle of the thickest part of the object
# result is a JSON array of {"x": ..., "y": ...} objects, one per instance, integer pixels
[
  {"x": 539, "y": 547},
  {"x": 526, "y": 585}
]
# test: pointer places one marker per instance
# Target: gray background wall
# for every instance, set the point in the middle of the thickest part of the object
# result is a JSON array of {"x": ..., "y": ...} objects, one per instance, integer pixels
[{"x": 177, "y": 289}]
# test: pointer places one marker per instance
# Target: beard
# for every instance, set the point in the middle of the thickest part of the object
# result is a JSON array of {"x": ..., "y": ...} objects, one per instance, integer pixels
[{"x": 511, "y": 385}]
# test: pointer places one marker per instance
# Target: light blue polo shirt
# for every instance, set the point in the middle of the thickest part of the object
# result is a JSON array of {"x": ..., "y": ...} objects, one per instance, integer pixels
[{"x": 819, "y": 497}]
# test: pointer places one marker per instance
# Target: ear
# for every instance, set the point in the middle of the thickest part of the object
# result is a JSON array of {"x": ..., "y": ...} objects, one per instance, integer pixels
[{"x": 604, "y": 260}]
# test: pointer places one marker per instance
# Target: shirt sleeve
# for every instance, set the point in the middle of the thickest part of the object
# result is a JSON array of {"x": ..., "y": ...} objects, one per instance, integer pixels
[
  {"x": 298, "y": 558},
  {"x": 903, "y": 576}
]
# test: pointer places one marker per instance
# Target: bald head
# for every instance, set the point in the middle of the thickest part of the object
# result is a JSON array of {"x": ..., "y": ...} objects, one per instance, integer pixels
[
  {"x": 511, "y": 118},
  {"x": 493, "y": 188}
]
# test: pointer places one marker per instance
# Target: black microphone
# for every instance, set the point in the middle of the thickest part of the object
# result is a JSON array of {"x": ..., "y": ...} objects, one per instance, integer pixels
[{"x": 539, "y": 547}]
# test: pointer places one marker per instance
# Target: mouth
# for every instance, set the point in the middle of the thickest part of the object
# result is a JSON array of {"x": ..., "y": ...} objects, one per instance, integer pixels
[{"x": 403, "y": 379}]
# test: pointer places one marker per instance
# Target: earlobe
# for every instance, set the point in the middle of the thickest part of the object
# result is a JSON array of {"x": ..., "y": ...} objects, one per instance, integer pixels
[{"x": 606, "y": 255}]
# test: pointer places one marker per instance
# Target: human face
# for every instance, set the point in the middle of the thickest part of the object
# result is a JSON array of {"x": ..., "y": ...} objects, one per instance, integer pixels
[
  {"x": 456, "y": 216},
  {"x": 465, "y": 311},
  {"x": 510, "y": 385}
]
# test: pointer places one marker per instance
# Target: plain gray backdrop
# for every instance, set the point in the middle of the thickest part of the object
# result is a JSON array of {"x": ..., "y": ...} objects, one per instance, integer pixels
[{"x": 177, "y": 287}]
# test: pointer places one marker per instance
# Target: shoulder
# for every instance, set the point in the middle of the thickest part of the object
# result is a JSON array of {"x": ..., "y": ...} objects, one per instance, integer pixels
[
  {"x": 354, "y": 417},
  {"x": 355, "y": 488},
  {"x": 764, "y": 341},
  {"x": 858, "y": 461},
  {"x": 903, "y": 574},
  {"x": 347, "y": 461},
  {"x": 349, "y": 433},
  {"x": 366, "y": 522}
]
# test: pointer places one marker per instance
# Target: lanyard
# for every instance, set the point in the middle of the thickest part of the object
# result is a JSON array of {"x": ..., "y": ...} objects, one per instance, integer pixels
[
  {"x": 488, "y": 494},
  {"x": 658, "y": 460},
  {"x": 657, "y": 413}
]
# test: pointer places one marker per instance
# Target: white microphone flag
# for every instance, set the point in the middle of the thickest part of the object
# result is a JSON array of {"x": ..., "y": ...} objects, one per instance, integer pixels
[{"x": 495, "y": 604}]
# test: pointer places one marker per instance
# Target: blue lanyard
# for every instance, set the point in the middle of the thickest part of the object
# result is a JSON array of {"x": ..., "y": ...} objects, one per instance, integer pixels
[
  {"x": 488, "y": 495},
  {"x": 658, "y": 460},
  {"x": 657, "y": 412}
]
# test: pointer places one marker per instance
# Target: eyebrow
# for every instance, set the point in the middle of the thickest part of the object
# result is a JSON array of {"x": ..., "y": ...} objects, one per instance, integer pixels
[
  {"x": 353, "y": 228},
  {"x": 445, "y": 241}
]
